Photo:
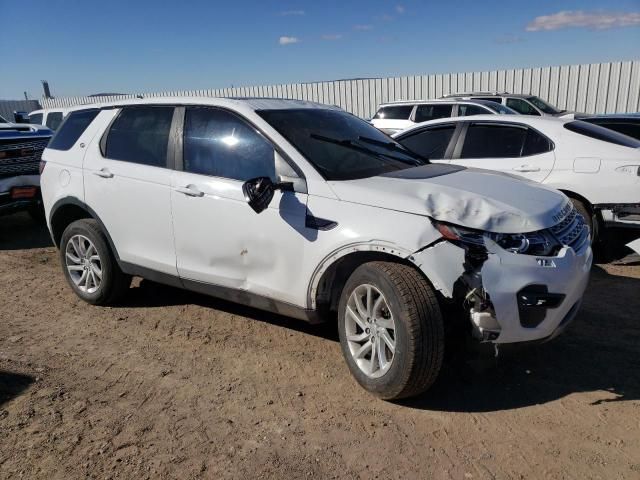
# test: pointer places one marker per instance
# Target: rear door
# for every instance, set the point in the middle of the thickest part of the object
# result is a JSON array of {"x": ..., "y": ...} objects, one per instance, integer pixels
[
  {"x": 506, "y": 147},
  {"x": 127, "y": 177}
]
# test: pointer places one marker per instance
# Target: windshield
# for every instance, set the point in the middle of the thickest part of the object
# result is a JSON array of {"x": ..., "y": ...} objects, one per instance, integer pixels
[
  {"x": 339, "y": 145},
  {"x": 2, "y": 120},
  {"x": 542, "y": 105}
]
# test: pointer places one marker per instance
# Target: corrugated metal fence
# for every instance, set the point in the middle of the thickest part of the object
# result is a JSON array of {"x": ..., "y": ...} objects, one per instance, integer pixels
[
  {"x": 7, "y": 107},
  {"x": 590, "y": 88}
]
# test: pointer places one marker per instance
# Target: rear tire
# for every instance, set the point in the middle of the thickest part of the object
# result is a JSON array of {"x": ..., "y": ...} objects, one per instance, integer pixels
[
  {"x": 90, "y": 266},
  {"x": 383, "y": 304}
]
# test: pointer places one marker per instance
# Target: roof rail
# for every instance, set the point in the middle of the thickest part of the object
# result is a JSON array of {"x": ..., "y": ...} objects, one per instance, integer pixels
[{"x": 466, "y": 94}]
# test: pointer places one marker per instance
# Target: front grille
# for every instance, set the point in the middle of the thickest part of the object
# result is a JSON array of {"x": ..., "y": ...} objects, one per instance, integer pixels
[
  {"x": 21, "y": 156},
  {"x": 572, "y": 231}
]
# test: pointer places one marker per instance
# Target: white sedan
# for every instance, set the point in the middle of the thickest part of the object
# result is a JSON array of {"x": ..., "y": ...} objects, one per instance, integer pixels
[{"x": 599, "y": 169}]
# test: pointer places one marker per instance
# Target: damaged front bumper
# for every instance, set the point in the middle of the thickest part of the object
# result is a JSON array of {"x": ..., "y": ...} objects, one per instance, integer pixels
[{"x": 510, "y": 297}]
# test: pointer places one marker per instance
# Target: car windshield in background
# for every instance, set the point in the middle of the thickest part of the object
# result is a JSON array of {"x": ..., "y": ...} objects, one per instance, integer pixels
[
  {"x": 601, "y": 133},
  {"x": 544, "y": 106},
  {"x": 2, "y": 120},
  {"x": 339, "y": 145}
]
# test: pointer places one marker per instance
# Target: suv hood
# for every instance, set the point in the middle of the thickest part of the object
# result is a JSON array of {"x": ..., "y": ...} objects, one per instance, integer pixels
[{"x": 473, "y": 198}]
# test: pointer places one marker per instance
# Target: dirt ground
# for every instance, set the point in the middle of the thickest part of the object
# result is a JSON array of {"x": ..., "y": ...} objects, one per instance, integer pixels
[{"x": 178, "y": 385}]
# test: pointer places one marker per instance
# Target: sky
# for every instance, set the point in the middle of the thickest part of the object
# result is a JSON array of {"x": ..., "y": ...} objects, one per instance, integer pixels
[{"x": 85, "y": 47}]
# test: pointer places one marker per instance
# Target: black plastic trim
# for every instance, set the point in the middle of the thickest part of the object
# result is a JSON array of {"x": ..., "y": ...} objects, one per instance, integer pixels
[{"x": 78, "y": 203}]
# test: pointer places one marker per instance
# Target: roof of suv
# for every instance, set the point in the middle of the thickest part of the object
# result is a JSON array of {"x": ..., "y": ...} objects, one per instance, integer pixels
[
  {"x": 253, "y": 103},
  {"x": 486, "y": 94},
  {"x": 435, "y": 100}
]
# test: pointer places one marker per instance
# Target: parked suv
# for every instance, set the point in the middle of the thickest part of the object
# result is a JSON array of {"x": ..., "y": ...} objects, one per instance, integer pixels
[
  {"x": 308, "y": 211},
  {"x": 396, "y": 116},
  {"x": 51, "y": 117},
  {"x": 598, "y": 168},
  {"x": 522, "y": 103},
  {"x": 21, "y": 146}
]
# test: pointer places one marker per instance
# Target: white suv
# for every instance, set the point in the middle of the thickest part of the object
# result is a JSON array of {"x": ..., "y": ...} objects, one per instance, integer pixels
[
  {"x": 306, "y": 210},
  {"x": 396, "y": 116}
]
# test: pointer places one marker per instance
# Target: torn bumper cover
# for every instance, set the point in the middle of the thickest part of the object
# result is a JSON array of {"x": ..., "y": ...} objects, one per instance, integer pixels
[{"x": 518, "y": 298}]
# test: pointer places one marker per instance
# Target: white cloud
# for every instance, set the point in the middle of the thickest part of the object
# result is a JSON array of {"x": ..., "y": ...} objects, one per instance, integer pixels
[
  {"x": 598, "y": 20},
  {"x": 288, "y": 40},
  {"x": 400, "y": 9},
  {"x": 332, "y": 36},
  {"x": 363, "y": 27}
]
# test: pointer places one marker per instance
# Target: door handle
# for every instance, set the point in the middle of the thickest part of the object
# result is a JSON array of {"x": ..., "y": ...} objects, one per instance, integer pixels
[
  {"x": 190, "y": 190},
  {"x": 104, "y": 173},
  {"x": 526, "y": 168}
]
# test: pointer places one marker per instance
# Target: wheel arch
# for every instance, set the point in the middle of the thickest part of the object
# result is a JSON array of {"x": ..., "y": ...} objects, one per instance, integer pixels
[
  {"x": 66, "y": 211},
  {"x": 333, "y": 272}
]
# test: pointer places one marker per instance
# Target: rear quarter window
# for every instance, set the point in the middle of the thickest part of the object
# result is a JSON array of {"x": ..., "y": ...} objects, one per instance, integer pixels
[
  {"x": 54, "y": 119},
  {"x": 399, "y": 112},
  {"x": 35, "y": 119},
  {"x": 74, "y": 125},
  {"x": 601, "y": 133}
]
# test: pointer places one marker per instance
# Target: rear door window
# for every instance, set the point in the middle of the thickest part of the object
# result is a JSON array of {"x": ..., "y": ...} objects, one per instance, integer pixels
[
  {"x": 465, "y": 110},
  {"x": 521, "y": 106},
  {"x": 221, "y": 144},
  {"x": 430, "y": 143},
  {"x": 74, "y": 125},
  {"x": 396, "y": 112},
  {"x": 54, "y": 119},
  {"x": 432, "y": 112},
  {"x": 140, "y": 135},
  {"x": 491, "y": 141}
]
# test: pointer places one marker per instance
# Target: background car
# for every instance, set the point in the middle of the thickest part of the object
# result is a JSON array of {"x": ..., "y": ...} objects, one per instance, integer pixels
[
  {"x": 52, "y": 118},
  {"x": 522, "y": 103},
  {"x": 396, "y": 116},
  {"x": 599, "y": 169},
  {"x": 21, "y": 147}
]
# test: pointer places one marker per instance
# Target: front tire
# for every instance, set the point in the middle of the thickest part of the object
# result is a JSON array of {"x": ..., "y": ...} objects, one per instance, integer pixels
[
  {"x": 89, "y": 264},
  {"x": 391, "y": 330}
]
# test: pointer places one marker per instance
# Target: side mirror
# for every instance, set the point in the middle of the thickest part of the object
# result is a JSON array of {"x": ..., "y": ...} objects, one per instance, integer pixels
[
  {"x": 258, "y": 192},
  {"x": 21, "y": 117}
]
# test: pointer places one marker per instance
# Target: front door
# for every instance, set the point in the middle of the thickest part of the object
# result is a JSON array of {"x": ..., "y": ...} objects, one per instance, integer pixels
[{"x": 219, "y": 239}]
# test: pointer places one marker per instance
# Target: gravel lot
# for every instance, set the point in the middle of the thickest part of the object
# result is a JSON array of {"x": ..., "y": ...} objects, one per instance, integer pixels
[{"x": 178, "y": 385}]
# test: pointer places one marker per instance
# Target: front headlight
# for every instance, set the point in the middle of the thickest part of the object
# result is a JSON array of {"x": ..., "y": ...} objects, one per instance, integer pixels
[{"x": 531, "y": 243}]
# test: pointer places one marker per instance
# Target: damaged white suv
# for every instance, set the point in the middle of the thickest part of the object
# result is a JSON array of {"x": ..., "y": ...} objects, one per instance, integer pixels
[{"x": 306, "y": 210}]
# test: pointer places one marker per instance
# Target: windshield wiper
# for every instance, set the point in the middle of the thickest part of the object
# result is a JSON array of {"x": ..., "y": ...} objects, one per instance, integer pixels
[
  {"x": 393, "y": 146},
  {"x": 361, "y": 148}
]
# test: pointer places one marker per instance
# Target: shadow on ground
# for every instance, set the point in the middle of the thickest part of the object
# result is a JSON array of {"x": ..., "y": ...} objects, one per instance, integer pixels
[
  {"x": 20, "y": 232},
  {"x": 12, "y": 385}
]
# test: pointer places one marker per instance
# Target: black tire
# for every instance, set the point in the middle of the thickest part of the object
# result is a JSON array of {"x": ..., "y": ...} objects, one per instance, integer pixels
[
  {"x": 419, "y": 330},
  {"x": 588, "y": 218},
  {"x": 114, "y": 283}
]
